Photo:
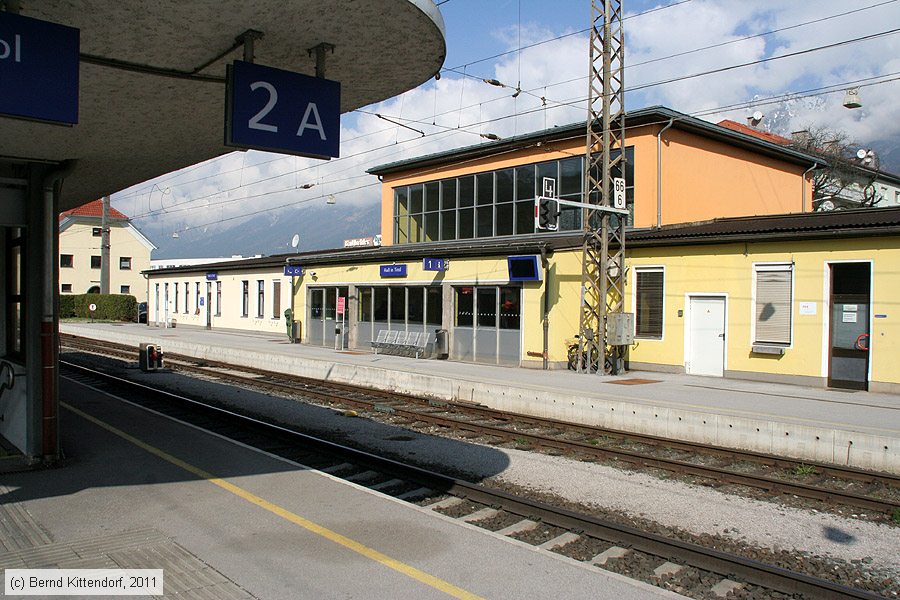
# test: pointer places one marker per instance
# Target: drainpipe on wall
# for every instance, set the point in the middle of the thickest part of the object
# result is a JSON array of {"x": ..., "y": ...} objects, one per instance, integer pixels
[
  {"x": 803, "y": 198},
  {"x": 545, "y": 317},
  {"x": 659, "y": 173}
]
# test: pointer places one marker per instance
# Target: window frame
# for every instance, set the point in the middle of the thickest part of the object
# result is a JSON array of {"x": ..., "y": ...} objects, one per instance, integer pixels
[
  {"x": 122, "y": 260},
  {"x": 771, "y": 267},
  {"x": 260, "y": 298},
  {"x": 63, "y": 286},
  {"x": 124, "y": 289},
  {"x": 99, "y": 261},
  {"x": 638, "y": 269},
  {"x": 245, "y": 298},
  {"x": 71, "y": 261},
  {"x": 276, "y": 299}
]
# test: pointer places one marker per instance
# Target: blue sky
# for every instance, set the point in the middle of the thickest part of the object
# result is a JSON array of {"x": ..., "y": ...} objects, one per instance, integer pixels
[{"x": 669, "y": 43}]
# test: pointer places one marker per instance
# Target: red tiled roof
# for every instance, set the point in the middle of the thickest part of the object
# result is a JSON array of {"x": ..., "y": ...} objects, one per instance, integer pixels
[
  {"x": 763, "y": 135},
  {"x": 92, "y": 209}
]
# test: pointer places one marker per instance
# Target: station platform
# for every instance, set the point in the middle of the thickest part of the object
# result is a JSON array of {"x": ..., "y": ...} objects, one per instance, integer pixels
[
  {"x": 860, "y": 429},
  {"x": 139, "y": 490}
]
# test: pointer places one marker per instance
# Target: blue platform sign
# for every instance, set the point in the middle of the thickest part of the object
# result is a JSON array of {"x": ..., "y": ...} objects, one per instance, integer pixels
[
  {"x": 38, "y": 69},
  {"x": 293, "y": 271},
  {"x": 393, "y": 270},
  {"x": 434, "y": 264},
  {"x": 281, "y": 111},
  {"x": 212, "y": 276}
]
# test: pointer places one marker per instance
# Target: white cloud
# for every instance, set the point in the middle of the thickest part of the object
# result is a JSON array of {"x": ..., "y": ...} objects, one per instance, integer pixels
[{"x": 456, "y": 109}]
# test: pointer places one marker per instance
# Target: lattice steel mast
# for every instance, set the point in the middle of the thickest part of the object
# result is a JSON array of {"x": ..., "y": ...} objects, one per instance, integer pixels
[{"x": 603, "y": 272}]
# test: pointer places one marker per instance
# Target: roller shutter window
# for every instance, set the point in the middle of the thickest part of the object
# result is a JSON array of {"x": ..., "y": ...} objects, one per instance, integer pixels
[
  {"x": 649, "y": 304},
  {"x": 773, "y": 304}
]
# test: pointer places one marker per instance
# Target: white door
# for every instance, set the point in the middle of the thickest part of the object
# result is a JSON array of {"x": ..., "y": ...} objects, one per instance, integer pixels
[{"x": 706, "y": 353}]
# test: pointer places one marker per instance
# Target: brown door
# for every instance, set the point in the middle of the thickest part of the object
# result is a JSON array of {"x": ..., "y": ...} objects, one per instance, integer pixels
[{"x": 849, "y": 347}]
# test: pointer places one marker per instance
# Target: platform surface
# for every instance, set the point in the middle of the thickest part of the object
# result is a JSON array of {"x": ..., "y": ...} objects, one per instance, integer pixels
[
  {"x": 138, "y": 490},
  {"x": 819, "y": 424}
]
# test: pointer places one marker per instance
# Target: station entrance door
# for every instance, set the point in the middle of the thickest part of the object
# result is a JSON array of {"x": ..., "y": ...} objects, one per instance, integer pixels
[
  {"x": 322, "y": 318},
  {"x": 848, "y": 339}
]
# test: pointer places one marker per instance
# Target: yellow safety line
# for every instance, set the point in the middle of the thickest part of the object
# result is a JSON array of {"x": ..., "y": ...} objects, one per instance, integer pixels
[{"x": 409, "y": 571}]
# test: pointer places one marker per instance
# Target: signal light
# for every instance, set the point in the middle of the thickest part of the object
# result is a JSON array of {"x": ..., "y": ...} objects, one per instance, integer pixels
[
  {"x": 150, "y": 357},
  {"x": 546, "y": 213}
]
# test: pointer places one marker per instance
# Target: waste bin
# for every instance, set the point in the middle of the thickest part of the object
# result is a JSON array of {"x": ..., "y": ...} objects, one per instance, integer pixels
[{"x": 441, "y": 343}]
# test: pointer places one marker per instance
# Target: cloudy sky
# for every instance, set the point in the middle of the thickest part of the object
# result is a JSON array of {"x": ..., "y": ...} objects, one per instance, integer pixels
[{"x": 800, "y": 57}]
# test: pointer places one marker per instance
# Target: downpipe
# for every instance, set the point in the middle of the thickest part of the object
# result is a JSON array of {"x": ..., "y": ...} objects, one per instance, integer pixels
[{"x": 545, "y": 317}]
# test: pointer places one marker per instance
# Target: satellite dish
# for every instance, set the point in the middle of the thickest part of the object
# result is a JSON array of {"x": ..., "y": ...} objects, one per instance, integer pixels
[
  {"x": 861, "y": 153},
  {"x": 295, "y": 241},
  {"x": 828, "y": 205},
  {"x": 757, "y": 116}
]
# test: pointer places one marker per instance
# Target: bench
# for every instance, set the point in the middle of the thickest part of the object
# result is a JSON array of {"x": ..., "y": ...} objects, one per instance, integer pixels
[{"x": 411, "y": 343}]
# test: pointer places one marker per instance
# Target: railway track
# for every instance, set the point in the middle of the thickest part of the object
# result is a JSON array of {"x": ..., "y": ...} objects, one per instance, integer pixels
[
  {"x": 827, "y": 483},
  {"x": 701, "y": 572}
]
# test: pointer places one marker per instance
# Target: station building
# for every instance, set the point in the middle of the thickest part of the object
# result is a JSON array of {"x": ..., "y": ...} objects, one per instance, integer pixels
[{"x": 728, "y": 271}]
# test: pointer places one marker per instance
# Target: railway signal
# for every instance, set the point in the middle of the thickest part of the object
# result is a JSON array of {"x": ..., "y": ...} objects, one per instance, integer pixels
[
  {"x": 546, "y": 213},
  {"x": 150, "y": 357}
]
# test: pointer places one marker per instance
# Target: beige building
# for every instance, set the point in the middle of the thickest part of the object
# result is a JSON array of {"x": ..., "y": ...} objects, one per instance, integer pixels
[{"x": 80, "y": 234}]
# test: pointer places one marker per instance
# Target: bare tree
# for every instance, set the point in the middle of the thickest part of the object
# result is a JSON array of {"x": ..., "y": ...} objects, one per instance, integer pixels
[{"x": 844, "y": 180}]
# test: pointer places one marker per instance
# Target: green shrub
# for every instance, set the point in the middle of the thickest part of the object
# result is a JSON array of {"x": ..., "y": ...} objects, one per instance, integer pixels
[
  {"x": 110, "y": 307},
  {"x": 66, "y": 306}
]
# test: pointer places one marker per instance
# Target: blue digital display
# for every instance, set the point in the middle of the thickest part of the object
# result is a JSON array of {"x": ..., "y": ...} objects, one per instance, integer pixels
[
  {"x": 524, "y": 268},
  {"x": 434, "y": 264},
  {"x": 293, "y": 271},
  {"x": 38, "y": 69},
  {"x": 281, "y": 111},
  {"x": 393, "y": 270}
]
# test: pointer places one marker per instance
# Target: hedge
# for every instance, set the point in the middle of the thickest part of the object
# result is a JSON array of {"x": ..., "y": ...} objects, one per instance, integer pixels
[{"x": 110, "y": 307}]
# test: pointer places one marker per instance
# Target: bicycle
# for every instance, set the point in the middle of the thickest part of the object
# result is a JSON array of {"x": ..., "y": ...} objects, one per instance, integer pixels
[{"x": 586, "y": 355}]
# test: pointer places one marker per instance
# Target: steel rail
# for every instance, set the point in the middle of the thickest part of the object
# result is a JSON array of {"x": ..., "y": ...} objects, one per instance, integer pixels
[
  {"x": 325, "y": 391},
  {"x": 721, "y": 563}
]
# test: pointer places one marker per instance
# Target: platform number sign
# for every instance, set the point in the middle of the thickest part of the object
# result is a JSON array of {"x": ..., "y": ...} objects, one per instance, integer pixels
[
  {"x": 619, "y": 192},
  {"x": 281, "y": 111}
]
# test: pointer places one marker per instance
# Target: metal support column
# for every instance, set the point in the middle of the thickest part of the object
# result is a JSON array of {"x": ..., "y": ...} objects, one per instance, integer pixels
[{"x": 603, "y": 251}]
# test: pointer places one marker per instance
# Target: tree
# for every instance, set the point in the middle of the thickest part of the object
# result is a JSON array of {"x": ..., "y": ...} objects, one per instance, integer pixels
[{"x": 846, "y": 179}]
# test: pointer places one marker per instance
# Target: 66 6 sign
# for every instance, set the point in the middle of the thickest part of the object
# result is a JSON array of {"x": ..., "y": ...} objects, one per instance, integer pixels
[{"x": 281, "y": 111}]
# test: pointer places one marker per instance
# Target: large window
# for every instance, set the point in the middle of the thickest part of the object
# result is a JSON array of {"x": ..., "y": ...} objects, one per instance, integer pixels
[
  {"x": 187, "y": 297},
  {"x": 245, "y": 298},
  {"x": 772, "y": 314},
  {"x": 493, "y": 203},
  {"x": 260, "y": 298},
  {"x": 218, "y": 298},
  {"x": 197, "y": 297},
  {"x": 648, "y": 302}
]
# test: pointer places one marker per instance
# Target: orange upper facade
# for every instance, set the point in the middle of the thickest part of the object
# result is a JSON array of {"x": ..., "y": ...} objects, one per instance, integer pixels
[{"x": 681, "y": 169}]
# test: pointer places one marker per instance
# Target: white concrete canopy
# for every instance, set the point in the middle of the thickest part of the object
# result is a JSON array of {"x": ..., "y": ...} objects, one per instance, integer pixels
[{"x": 134, "y": 125}]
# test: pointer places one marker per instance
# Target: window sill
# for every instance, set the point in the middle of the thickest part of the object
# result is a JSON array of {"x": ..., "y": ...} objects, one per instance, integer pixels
[{"x": 767, "y": 349}]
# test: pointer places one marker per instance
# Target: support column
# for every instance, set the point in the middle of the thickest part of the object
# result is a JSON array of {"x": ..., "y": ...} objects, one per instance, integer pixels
[{"x": 352, "y": 313}]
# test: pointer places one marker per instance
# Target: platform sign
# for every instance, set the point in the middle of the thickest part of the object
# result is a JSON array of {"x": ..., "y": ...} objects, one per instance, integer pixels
[
  {"x": 38, "y": 69},
  {"x": 281, "y": 111},
  {"x": 212, "y": 276},
  {"x": 293, "y": 271},
  {"x": 393, "y": 270},
  {"x": 434, "y": 264}
]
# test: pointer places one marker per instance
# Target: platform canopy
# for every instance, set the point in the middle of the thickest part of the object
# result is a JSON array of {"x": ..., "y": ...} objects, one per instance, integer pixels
[{"x": 136, "y": 124}]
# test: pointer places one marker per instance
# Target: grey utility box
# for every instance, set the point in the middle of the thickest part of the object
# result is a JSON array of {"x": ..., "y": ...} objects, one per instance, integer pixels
[
  {"x": 620, "y": 329},
  {"x": 441, "y": 343}
]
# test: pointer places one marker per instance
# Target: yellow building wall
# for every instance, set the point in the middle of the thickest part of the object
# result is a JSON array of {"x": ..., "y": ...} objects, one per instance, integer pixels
[
  {"x": 702, "y": 179},
  {"x": 728, "y": 269},
  {"x": 79, "y": 241}
]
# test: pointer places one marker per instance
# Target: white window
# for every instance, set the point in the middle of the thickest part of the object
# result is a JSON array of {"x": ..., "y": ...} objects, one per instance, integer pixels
[
  {"x": 260, "y": 298},
  {"x": 774, "y": 299},
  {"x": 245, "y": 298}
]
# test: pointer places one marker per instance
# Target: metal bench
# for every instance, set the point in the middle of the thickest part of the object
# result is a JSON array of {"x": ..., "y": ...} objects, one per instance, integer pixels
[
  {"x": 386, "y": 338},
  {"x": 425, "y": 339}
]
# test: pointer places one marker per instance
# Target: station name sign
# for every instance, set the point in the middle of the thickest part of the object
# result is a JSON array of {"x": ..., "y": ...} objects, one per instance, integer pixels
[
  {"x": 393, "y": 270},
  {"x": 212, "y": 276},
  {"x": 38, "y": 69},
  {"x": 281, "y": 111},
  {"x": 293, "y": 271},
  {"x": 364, "y": 242}
]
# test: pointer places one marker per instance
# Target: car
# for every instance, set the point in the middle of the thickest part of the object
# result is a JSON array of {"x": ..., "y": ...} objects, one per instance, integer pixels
[{"x": 142, "y": 312}]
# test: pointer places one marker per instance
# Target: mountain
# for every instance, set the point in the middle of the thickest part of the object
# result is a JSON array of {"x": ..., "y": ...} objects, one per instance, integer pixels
[{"x": 320, "y": 227}]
